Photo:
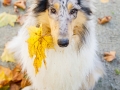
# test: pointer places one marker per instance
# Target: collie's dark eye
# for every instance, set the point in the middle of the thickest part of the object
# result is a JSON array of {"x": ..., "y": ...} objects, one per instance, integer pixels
[
  {"x": 53, "y": 11},
  {"x": 73, "y": 11}
]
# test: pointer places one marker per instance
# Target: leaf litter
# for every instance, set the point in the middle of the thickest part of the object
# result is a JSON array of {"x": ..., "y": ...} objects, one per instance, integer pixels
[
  {"x": 13, "y": 79},
  {"x": 104, "y": 20},
  {"x": 20, "y": 4},
  {"x": 110, "y": 56},
  {"x": 6, "y": 18},
  {"x": 6, "y": 2}
]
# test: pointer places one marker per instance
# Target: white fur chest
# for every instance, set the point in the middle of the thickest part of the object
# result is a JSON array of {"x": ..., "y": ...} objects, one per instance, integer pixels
[{"x": 66, "y": 70}]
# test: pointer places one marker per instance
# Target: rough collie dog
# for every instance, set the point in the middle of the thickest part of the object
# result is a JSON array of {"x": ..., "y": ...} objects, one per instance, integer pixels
[{"x": 74, "y": 64}]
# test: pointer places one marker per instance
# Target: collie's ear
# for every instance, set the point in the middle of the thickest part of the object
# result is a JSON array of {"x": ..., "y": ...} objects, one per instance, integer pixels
[
  {"x": 87, "y": 6},
  {"x": 41, "y": 6},
  {"x": 79, "y": 2}
]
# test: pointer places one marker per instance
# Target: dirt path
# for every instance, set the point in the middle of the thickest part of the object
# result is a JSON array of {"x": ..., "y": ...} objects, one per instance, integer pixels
[{"x": 108, "y": 37}]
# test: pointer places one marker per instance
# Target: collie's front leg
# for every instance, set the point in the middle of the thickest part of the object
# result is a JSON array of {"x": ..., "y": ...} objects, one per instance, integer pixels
[{"x": 28, "y": 88}]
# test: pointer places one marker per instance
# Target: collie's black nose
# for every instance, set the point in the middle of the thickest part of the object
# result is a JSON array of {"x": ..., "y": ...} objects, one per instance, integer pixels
[{"x": 63, "y": 42}]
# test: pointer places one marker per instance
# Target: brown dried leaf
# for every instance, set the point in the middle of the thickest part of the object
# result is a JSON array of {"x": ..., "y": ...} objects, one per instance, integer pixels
[
  {"x": 20, "y": 4},
  {"x": 14, "y": 86},
  {"x": 25, "y": 82},
  {"x": 17, "y": 75},
  {"x": 104, "y": 20},
  {"x": 6, "y": 2},
  {"x": 104, "y": 1},
  {"x": 21, "y": 19},
  {"x": 13, "y": 78},
  {"x": 109, "y": 56}
]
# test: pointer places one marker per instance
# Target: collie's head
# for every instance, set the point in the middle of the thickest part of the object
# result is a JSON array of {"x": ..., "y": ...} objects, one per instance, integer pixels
[{"x": 64, "y": 19}]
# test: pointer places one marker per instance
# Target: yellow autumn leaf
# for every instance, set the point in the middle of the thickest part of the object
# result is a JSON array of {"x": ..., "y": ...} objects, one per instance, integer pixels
[
  {"x": 37, "y": 44},
  {"x": 5, "y": 76},
  {"x": 6, "y": 18},
  {"x": 4, "y": 79},
  {"x": 7, "y": 56}
]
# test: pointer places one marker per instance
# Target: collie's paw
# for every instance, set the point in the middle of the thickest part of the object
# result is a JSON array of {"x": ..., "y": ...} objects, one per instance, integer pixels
[{"x": 28, "y": 88}]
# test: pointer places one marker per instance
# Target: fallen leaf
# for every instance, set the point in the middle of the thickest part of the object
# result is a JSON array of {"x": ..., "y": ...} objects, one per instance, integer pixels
[
  {"x": 6, "y": 18},
  {"x": 14, "y": 87},
  {"x": 117, "y": 71},
  {"x": 17, "y": 75},
  {"x": 37, "y": 43},
  {"x": 25, "y": 82},
  {"x": 5, "y": 76},
  {"x": 20, "y": 4},
  {"x": 21, "y": 19},
  {"x": 104, "y": 1},
  {"x": 109, "y": 56},
  {"x": 104, "y": 20},
  {"x": 6, "y": 2},
  {"x": 15, "y": 9},
  {"x": 7, "y": 56},
  {"x": 5, "y": 87},
  {"x": 15, "y": 79}
]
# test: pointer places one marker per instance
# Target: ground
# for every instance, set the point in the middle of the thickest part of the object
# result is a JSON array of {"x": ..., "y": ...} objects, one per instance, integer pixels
[{"x": 108, "y": 37}]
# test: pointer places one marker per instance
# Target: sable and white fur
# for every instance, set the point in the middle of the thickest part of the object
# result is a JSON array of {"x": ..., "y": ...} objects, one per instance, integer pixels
[{"x": 75, "y": 67}]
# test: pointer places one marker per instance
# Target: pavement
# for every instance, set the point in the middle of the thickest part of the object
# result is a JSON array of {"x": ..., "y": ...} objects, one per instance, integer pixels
[
  {"x": 109, "y": 40},
  {"x": 108, "y": 37}
]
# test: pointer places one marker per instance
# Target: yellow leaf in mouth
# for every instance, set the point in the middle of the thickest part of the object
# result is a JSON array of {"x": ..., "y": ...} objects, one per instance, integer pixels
[{"x": 37, "y": 44}]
